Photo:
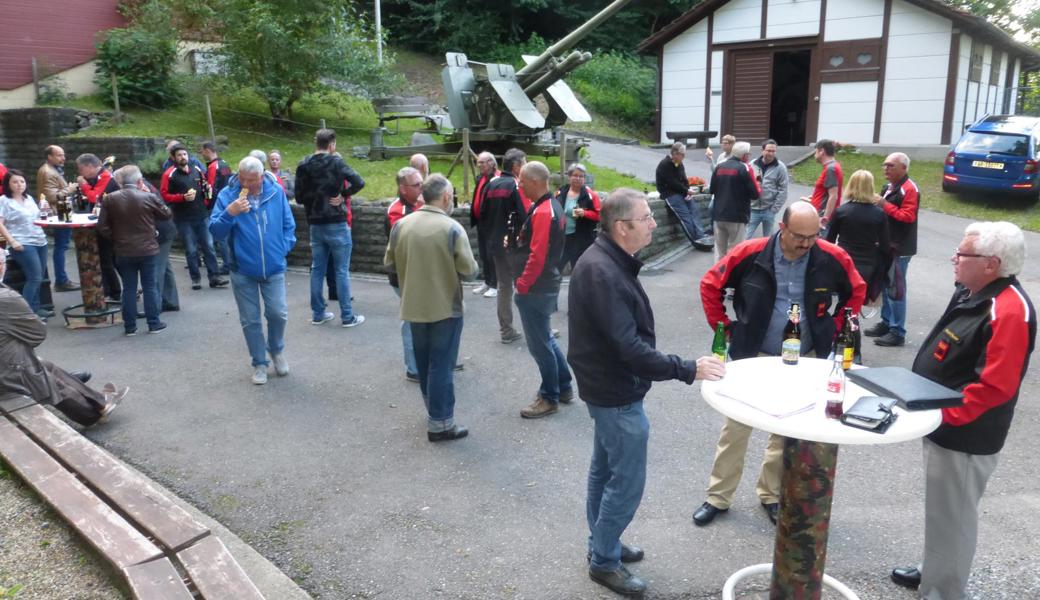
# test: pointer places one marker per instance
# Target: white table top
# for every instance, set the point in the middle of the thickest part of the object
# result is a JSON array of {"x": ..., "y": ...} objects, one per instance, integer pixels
[
  {"x": 756, "y": 380},
  {"x": 78, "y": 221}
]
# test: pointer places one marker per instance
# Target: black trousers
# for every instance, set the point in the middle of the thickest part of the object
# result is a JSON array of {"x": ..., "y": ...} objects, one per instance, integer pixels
[{"x": 487, "y": 263}]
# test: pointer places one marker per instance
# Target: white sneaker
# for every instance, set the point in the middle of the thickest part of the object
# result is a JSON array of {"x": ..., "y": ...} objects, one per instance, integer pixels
[
  {"x": 325, "y": 318},
  {"x": 354, "y": 322},
  {"x": 260, "y": 375},
  {"x": 480, "y": 290},
  {"x": 281, "y": 365},
  {"x": 491, "y": 293}
]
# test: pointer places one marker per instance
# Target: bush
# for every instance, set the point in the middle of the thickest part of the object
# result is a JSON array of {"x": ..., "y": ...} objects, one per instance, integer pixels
[
  {"x": 143, "y": 64},
  {"x": 618, "y": 86}
]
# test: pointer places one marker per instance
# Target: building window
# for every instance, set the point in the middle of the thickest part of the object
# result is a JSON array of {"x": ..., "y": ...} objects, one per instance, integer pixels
[
  {"x": 994, "y": 69},
  {"x": 975, "y": 67}
]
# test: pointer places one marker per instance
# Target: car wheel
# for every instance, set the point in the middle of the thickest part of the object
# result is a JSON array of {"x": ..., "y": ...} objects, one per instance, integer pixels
[{"x": 947, "y": 187}]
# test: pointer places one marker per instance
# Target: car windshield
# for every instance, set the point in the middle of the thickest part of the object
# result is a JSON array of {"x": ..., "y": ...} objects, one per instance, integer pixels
[{"x": 994, "y": 143}]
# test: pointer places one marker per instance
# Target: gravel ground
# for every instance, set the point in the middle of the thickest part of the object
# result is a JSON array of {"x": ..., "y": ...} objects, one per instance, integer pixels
[{"x": 42, "y": 554}]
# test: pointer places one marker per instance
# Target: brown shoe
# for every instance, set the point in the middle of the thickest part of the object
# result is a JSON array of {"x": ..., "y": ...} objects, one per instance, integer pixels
[
  {"x": 112, "y": 399},
  {"x": 539, "y": 408}
]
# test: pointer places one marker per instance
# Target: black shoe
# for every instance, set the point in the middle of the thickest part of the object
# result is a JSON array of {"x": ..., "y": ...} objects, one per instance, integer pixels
[
  {"x": 83, "y": 376},
  {"x": 619, "y": 580},
  {"x": 706, "y": 514},
  {"x": 413, "y": 377},
  {"x": 158, "y": 328},
  {"x": 629, "y": 554},
  {"x": 890, "y": 339},
  {"x": 876, "y": 331},
  {"x": 196, "y": 285},
  {"x": 771, "y": 510},
  {"x": 459, "y": 366},
  {"x": 907, "y": 577},
  {"x": 455, "y": 433},
  {"x": 68, "y": 286},
  {"x": 567, "y": 396},
  {"x": 170, "y": 308},
  {"x": 217, "y": 282}
]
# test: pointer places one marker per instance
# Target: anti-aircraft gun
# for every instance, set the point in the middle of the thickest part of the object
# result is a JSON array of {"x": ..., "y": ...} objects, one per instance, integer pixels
[{"x": 498, "y": 104}]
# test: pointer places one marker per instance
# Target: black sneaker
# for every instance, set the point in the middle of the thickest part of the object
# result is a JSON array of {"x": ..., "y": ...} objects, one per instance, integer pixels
[
  {"x": 158, "y": 328},
  {"x": 620, "y": 581},
  {"x": 196, "y": 285},
  {"x": 218, "y": 283},
  {"x": 890, "y": 339},
  {"x": 876, "y": 331}
]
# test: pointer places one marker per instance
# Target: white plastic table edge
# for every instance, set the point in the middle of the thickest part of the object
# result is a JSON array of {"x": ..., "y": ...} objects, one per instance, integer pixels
[{"x": 79, "y": 221}]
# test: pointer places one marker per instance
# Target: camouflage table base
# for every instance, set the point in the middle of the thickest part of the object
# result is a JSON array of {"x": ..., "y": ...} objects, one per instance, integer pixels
[
  {"x": 89, "y": 262},
  {"x": 807, "y": 489}
]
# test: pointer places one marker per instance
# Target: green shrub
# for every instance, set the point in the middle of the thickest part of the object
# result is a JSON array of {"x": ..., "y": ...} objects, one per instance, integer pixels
[
  {"x": 143, "y": 63},
  {"x": 618, "y": 86}
]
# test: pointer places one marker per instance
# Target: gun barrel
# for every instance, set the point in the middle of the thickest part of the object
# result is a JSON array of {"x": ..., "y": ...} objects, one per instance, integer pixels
[
  {"x": 571, "y": 39},
  {"x": 573, "y": 61}
]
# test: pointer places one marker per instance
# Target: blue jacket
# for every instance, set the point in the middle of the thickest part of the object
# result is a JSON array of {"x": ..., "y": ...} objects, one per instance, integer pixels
[{"x": 258, "y": 240}]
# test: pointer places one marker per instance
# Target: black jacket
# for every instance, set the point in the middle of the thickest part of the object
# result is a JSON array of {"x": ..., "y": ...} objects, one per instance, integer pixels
[
  {"x": 611, "y": 343},
  {"x": 861, "y": 229},
  {"x": 735, "y": 186},
  {"x": 320, "y": 177},
  {"x": 503, "y": 206},
  {"x": 539, "y": 247},
  {"x": 671, "y": 178}
]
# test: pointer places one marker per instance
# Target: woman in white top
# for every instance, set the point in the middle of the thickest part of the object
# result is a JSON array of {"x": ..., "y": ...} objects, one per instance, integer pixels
[{"x": 26, "y": 240}]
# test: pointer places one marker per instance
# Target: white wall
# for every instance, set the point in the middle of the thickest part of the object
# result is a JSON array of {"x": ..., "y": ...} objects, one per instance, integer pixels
[
  {"x": 847, "y": 111},
  {"x": 738, "y": 21},
  {"x": 1014, "y": 85},
  {"x": 683, "y": 73},
  {"x": 853, "y": 19},
  {"x": 793, "y": 18},
  {"x": 915, "y": 76},
  {"x": 962, "y": 87},
  {"x": 78, "y": 80},
  {"x": 715, "y": 105}
]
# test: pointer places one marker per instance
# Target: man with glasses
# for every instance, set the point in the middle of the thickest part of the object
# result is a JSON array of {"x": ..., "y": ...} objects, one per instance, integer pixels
[
  {"x": 768, "y": 275},
  {"x": 900, "y": 199},
  {"x": 409, "y": 199},
  {"x": 980, "y": 346}
]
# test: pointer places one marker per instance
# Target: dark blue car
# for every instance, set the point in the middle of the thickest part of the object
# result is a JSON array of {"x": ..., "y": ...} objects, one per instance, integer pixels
[{"x": 1000, "y": 153}]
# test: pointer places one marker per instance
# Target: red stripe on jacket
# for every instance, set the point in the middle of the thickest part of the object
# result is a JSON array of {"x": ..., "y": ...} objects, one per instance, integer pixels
[
  {"x": 164, "y": 188},
  {"x": 94, "y": 192},
  {"x": 907, "y": 209},
  {"x": 541, "y": 232},
  {"x": 714, "y": 281},
  {"x": 478, "y": 196},
  {"x": 592, "y": 214}
]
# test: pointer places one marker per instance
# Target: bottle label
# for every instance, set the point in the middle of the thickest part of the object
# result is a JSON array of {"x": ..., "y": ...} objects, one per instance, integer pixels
[
  {"x": 834, "y": 387},
  {"x": 790, "y": 350},
  {"x": 720, "y": 355},
  {"x": 846, "y": 362}
]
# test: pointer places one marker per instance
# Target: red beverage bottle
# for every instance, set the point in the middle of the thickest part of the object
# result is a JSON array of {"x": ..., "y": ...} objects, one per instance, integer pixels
[{"x": 836, "y": 390}]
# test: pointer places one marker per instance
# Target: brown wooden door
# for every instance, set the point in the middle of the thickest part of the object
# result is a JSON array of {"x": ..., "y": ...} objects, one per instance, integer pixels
[{"x": 747, "y": 98}]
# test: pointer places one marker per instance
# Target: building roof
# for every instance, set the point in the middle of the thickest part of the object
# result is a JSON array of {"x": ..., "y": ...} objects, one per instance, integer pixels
[{"x": 966, "y": 21}]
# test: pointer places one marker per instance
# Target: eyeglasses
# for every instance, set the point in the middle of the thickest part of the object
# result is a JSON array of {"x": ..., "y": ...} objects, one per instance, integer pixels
[
  {"x": 643, "y": 219},
  {"x": 804, "y": 238},
  {"x": 957, "y": 255}
]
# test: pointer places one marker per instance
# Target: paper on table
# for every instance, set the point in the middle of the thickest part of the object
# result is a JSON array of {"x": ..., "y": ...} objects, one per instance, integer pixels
[{"x": 783, "y": 398}]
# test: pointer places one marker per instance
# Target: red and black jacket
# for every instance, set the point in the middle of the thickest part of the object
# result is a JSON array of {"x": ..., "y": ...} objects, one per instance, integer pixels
[
  {"x": 734, "y": 184},
  {"x": 96, "y": 187},
  {"x": 397, "y": 210},
  {"x": 217, "y": 175},
  {"x": 902, "y": 203},
  {"x": 540, "y": 247},
  {"x": 175, "y": 183},
  {"x": 980, "y": 346},
  {"x": 503, "y": 204},
  {"x": 748, "y": 269},
  {"x": 585, "y": 227},
  {"x": 478, "y": 198}
]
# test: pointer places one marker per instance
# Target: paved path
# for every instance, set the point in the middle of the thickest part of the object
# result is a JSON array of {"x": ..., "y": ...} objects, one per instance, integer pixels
[{"x": 328, "y": 473}]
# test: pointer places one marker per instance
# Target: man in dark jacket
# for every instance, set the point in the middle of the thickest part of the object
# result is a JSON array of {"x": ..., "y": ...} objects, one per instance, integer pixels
[
  {"x": 22, "y": 373},
  {"x": 980, "y": 346},
  {"x": 128, "y": 219},
  {"x": 537, "y": 259},
  {"x": 734, "y": 185},
  {"x": 813, "y": 272},
  {"x": 488, "y": 167},
  {"x": 674, "y": 188},
  {"x": 612, "y": 351},
  {"x": 505, "y": 208},
  {"x": 319, "y": 189},
  {"x": 184, "y": 188},
  {"x": 94, "y": 182},
  {"x": 217, "y": 175}
]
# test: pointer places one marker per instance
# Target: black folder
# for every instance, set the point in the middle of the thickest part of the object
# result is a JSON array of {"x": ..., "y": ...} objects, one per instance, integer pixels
[{"x": 912, "y": 391}]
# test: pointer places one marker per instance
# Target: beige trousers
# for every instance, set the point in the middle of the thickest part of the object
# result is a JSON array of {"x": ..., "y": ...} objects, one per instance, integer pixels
[
  {"x": 506, "y": 278},
  {"x": 728, "y": 235},
  {"x": 729, "y": 465}
]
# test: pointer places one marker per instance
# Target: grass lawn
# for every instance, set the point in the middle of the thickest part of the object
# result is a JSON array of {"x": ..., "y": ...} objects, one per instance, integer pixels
[
  {"x": 243, "y": 118},
  {"x": 928, "y": 176}
]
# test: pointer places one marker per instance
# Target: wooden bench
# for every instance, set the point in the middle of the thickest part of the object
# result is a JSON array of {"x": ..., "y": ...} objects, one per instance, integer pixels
[
  {"x": 395, "y": 108},
  {"x": 215, "y": 572},
  {"x": 156, "y": 580},
  {"x": 701, "y": 137}
]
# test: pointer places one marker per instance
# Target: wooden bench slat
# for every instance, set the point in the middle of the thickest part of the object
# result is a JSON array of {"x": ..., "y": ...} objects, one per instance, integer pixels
[
  {"x": 215, "y": 573},
  {"x": 148, "y": 506},
  {"x": 102, "y": 527},
  {"x": 156, "y": 580},
  {"x": 18, "y": 402}
]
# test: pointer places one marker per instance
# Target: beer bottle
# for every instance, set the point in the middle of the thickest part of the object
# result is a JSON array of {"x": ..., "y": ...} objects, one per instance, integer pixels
[
  {"x": 846, "y": 341},
  {"x": 836, "y": 390},
  {"x": 718, "y": 345},
  {"x": 792, "y": 344}
]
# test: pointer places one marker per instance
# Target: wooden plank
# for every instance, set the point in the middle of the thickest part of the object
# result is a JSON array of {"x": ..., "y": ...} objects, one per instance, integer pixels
[
  {"x": 215, "y": 573},
  {"x": 135, "y": 495},
  {"x": 15, "y": 403},
  {"x": 156, "y": 580},
  {"x": 102, "y": 527}
]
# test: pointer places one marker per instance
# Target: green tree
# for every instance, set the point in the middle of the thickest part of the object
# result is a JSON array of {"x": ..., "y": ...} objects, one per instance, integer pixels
[
  {"x": 1020, "y": 18},
  {"x": 141, "y": 56}
]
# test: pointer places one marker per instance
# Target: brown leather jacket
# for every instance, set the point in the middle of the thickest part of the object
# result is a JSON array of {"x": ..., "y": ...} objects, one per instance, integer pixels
[
  {"x": 21, "y": 371},
  {"x": 50, "y": 183},
  {"x": 128, "y": 219}
]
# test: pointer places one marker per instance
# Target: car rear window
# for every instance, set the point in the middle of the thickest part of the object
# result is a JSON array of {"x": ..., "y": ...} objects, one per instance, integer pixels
[{"x": 994, "y": 143}]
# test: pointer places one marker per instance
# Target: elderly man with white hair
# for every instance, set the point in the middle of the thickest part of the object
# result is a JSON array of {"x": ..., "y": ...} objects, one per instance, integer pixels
[
  {"x": 734, "y": 184},
  {"x": 980, "y": 346},
  {"x": 253, "y": 214}
]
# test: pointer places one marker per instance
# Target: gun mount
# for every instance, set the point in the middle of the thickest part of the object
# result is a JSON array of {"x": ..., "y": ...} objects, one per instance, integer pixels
[{"x": 498, "y": 105}]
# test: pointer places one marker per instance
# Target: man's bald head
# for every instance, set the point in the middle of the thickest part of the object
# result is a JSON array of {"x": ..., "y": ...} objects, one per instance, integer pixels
[{"x": 799, "y": 229}]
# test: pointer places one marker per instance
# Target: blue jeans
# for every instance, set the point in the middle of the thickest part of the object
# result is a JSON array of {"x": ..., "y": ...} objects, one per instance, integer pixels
[
  {"x": 130, "y": 267},
  {"x": 248, "y": 291},
  {"x": 683, "y": 210},
  {"x": 195, "y": 234},
  {"x": 406, "y": 342},
  {"x": 222, "y": 252},
  {"x": 62, "y": 239},
  {"x": 164, "y": 277},
  {"x": 333, "y": 240},
  {"x": 893, "y": 312},
  {"x": 617, "y": 477},
  {"x": 535, "y": 310},
  {"x": 33, "y": 261},
  {"x": 764, "y": 216},
  {"x": 436, "y": 350}
]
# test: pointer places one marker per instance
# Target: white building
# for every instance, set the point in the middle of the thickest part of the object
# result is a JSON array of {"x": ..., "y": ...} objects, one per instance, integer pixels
[{"x": 857, "y": 71}]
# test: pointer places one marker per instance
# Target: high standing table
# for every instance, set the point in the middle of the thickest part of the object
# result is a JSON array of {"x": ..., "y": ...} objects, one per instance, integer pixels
[
  {"x": 94, "y": 311},
  {"x": 810, "y": 459}
]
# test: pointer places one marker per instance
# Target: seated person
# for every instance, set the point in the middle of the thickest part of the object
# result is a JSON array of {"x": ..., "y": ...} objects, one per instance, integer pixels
[{"x": 22, "y": 373}]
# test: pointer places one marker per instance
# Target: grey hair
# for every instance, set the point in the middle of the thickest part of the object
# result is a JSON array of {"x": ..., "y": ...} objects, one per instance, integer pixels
[
  {"x": 577, "y": 167},
  {"x": 127, "y": 176},
  {"x": 88, "y": 160},
  {"x": 435, "y": 186},
  {"x": 620, "y": 205},
  {"x": 538, "y": 171},
  {"x": 902, "y": 158},
  {"x": 740, "y": 150},
  {"x": 1001, "y": 239},
  {"x": 406, "y": 172},
  {"x": 251, "y": 164},
  {"x": 489, "y": 155},
  {"x": 260, "y": 155},
  {"x": 678, "y": 147}
]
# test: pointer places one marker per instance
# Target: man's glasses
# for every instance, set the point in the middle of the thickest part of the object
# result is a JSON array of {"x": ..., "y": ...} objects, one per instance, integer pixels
[
  {"x": 957, "y": 255},
  {"x": 804, "y": 238},
  {"x": 643, "y": 219}
]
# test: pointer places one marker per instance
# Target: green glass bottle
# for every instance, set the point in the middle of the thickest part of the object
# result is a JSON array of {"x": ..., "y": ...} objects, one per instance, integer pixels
[{"x": 718, "y": 345}]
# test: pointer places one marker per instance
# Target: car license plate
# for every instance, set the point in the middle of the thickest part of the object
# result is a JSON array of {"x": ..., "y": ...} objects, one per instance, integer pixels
[{"x": 983, "y": 164}]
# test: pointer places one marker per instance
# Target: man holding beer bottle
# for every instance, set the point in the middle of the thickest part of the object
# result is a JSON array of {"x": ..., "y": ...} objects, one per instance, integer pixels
[{"x": 768, "y": 276}]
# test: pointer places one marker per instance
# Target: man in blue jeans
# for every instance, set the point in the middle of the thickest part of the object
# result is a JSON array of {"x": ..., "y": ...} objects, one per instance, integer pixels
[
  {"x": 183, "y": 187},
  {"x": 612, "y": 351},
  {"x": 673, "y": 187},
  {"x": 537, "y": 259},
  {"x": 51, "y": 186},
  {"x": 252, "y": 214}
]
